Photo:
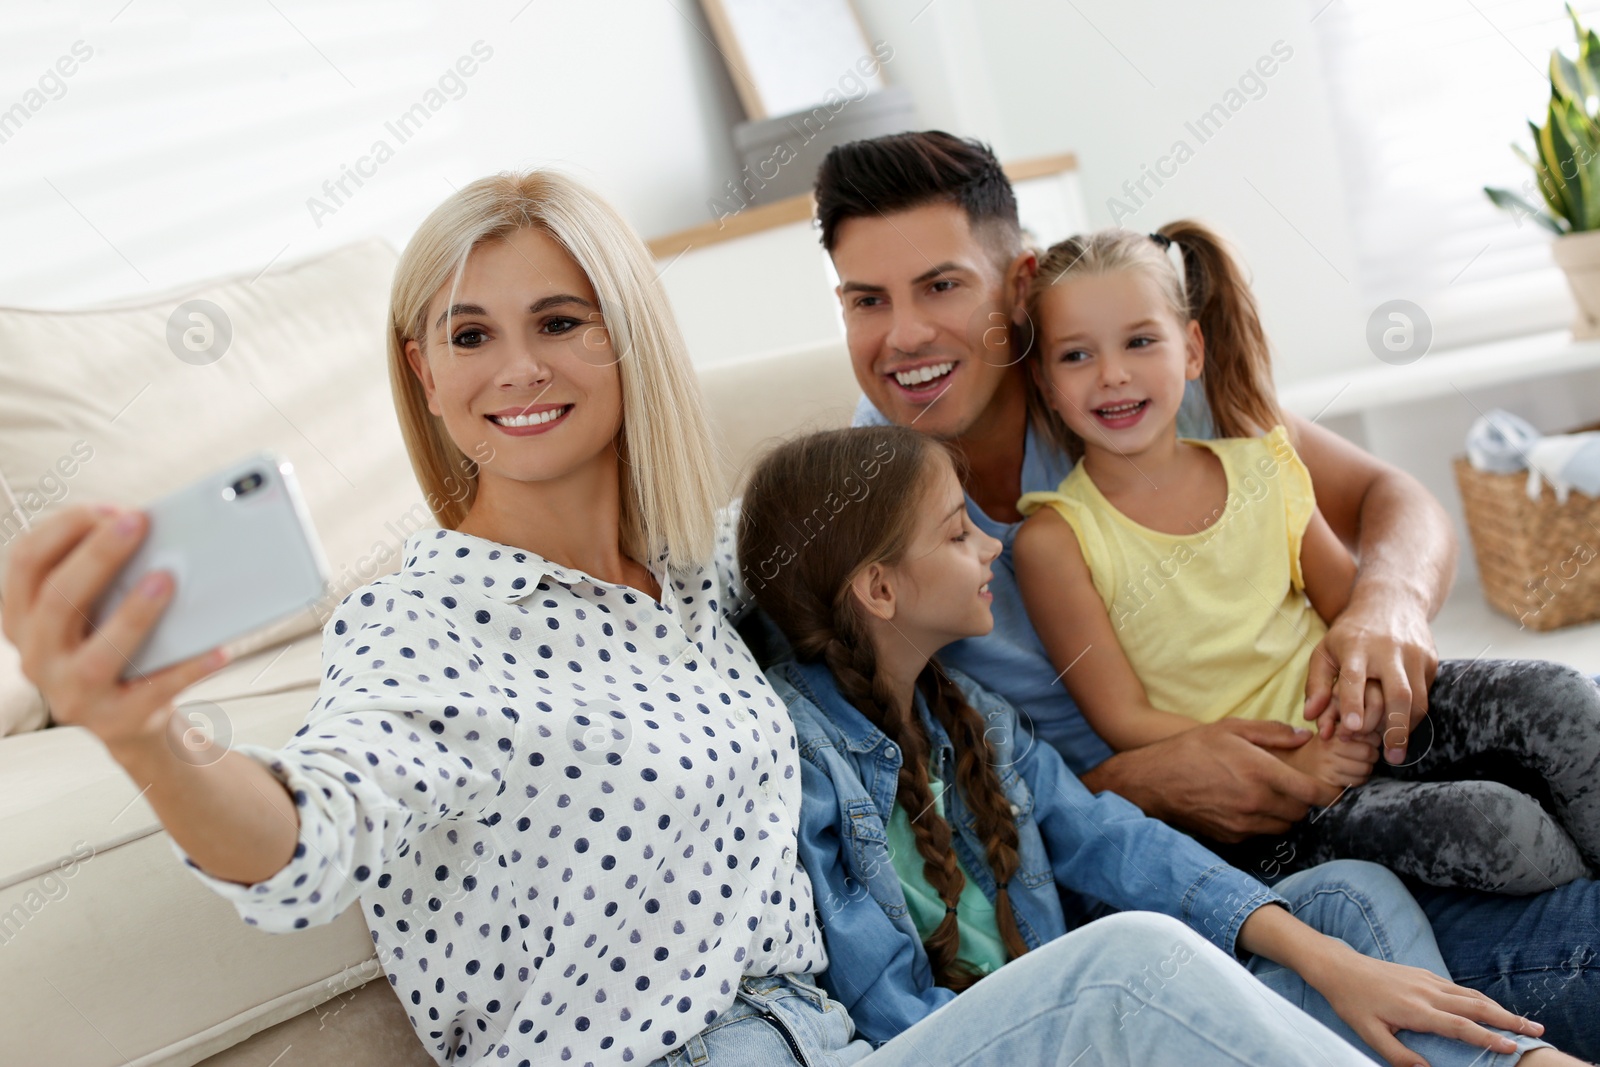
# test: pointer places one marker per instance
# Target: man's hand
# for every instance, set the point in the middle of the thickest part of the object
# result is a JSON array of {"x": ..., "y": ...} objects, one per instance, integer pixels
[
  {"x": 1406, "y": 545},
  {"x": 1221, "y": 779},
  {"x": 1382, "y": 639}
]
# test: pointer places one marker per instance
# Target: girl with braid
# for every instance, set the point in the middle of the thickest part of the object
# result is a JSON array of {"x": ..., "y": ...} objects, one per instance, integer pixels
[{"x": 943, "y": 843}]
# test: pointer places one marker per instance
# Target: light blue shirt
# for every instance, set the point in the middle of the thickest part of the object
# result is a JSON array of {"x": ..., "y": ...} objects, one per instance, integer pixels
[{"x": 1010, "y": 660}]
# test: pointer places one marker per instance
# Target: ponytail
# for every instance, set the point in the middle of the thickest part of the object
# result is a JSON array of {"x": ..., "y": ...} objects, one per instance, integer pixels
[{"x": 1238, "y": 371}]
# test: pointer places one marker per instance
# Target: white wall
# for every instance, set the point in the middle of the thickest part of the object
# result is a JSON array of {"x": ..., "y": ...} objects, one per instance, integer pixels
[
  {"x": 1115, "y": 81},
  {"x": 189, "y": 141}
]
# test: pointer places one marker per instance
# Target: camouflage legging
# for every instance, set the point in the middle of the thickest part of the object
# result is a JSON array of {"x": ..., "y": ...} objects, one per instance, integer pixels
[{"x": 1500, "y": 791}]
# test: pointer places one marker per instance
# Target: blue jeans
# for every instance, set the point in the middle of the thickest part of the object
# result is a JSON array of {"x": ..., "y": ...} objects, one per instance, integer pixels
[
  {"x": 1539, "y": 955},
  {"x": 1368, "y": 908},
  {"x": 1072, "y": 1000},
  {"x": 1133, "y": 988}
]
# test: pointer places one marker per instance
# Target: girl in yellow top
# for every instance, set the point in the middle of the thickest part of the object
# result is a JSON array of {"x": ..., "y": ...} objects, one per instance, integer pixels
[{"x": 1177, "y": 581}]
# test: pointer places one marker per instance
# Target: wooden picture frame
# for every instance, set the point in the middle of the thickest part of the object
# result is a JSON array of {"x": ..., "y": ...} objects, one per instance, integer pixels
[{"x": 784, "y": 55}]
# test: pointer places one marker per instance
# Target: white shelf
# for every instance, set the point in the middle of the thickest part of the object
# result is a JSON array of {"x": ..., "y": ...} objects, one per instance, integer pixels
[{"x": 1442, "y": 374}]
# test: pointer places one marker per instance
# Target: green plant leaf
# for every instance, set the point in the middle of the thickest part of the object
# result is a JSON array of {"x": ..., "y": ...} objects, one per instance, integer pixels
[
  {"x": 1547, "y": 175},
  {"x": 1589, "y": 67},
  {"x": 1554, "y": 195},
  {"x": 1565, "y": 199},
  {"x": 1588, "y": 64},
  {"x": 1567, "y": 167},
  {"x": 1518, "y": 206},
  {"x": 1565, "y": 81},
  {"x": 1540, "y": 181},
  {"x": 1585, "y": 143}
]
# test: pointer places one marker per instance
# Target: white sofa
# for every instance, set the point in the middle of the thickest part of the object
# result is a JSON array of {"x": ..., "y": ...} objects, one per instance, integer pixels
[{"x": 110, "y": 953}]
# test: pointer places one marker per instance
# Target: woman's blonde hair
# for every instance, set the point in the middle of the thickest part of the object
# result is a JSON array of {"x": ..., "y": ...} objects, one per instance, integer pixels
[
  {"x": 669, "y": 491},
  {"x": 1212, "y": 292}
]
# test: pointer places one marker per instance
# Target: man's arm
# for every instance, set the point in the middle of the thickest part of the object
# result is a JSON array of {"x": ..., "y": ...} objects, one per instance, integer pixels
[
  {"x": 1406, "y": 549},
  {"x": 1221, "y": 779}
]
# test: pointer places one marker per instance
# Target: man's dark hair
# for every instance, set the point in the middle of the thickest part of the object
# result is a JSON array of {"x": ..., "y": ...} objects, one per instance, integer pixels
[{"x": 908, "y": 170}]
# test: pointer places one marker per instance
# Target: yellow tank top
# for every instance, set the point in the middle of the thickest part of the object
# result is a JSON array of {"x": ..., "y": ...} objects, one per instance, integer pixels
[{"x": 1216, "y": 623}]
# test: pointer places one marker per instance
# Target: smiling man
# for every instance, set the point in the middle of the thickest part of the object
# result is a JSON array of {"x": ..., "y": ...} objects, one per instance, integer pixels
[{"x": 924, "y": 236}]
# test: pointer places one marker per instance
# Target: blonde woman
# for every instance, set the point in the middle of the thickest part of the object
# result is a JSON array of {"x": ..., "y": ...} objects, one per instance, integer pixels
[{"x": 541, "y": 759}]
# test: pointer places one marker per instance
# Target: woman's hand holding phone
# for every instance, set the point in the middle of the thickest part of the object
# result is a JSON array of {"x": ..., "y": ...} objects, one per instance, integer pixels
[
  {"x": 53, "y": 577},
  {"x": 230, "y": 814}
]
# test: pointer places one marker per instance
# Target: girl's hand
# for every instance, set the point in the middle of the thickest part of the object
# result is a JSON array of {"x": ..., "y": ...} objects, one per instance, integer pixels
[
  {"x": 1378, "y": 998},
  {"x": 53, "y": 577},
  {"x": 1335, "y": 722}
]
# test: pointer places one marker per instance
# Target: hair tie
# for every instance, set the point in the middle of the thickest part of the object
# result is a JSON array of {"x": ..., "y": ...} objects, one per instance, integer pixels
[
  {"x": 949, "y": 909},
  {"x": 1178, "y": 262}
]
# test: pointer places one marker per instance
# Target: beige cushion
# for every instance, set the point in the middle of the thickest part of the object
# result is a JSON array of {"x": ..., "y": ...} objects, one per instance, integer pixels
[
  {"x": 21, "y": 706},
  {"x": 96, "y": 405},
  {"x": 754, "y": 403},
  {"x": 106, "y": 934}
]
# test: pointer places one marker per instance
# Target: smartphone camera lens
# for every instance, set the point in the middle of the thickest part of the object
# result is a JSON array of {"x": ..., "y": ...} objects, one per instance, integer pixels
[{"x": 244, "y": 486}]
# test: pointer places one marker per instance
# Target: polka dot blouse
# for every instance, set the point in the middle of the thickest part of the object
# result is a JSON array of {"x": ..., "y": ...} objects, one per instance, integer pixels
[{"x": 568, "y": 811}]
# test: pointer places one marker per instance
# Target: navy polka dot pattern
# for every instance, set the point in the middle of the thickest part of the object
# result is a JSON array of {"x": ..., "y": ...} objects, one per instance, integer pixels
[{"x": 568, "y": 811}]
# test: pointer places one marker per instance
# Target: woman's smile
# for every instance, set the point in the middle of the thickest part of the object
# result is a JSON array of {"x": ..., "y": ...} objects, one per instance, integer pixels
[{"x": 534, "y": 419}]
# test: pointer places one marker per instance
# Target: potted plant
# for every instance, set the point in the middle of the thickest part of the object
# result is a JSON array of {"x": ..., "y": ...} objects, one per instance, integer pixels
[{"x": 1566, "y": 172}]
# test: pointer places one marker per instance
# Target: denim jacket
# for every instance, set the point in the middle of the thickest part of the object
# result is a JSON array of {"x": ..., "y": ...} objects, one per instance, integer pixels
[{"x": 1081, "y": 854}]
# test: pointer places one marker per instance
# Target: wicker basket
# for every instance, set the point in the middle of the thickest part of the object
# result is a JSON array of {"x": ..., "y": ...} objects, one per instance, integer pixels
[{"x": 1539, "y": 560}]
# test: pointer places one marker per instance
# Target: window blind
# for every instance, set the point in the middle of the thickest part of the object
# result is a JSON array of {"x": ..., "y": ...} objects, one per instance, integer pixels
[{"x": 1427, "y": 97}]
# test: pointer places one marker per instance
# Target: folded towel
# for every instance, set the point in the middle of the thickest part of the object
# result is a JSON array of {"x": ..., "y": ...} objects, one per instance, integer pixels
[
  {"x": 1499, "y": 442},
  {"x": 1567, "y": 461},
  {"x": 1505, "y": 443}
]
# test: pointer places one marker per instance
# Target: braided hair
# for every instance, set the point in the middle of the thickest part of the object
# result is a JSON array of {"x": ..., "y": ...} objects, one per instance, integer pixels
[{"x": 817, "y": 510}]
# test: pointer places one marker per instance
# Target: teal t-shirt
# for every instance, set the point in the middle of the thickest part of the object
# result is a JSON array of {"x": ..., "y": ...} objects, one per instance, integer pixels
[{"x": 981, "y": 946}]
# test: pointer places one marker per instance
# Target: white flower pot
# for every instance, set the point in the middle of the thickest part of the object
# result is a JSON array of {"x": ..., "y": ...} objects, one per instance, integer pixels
[{"x": 1579, "y": 257}]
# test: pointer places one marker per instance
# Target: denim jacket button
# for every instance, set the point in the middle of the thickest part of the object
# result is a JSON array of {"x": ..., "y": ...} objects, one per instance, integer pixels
[
  {"x": 1016, "y": 809},
  {"x": 892, "y": 752}
]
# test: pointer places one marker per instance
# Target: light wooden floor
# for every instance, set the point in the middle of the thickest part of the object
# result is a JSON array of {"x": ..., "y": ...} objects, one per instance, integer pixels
[{"x": 1468, "y": 628}]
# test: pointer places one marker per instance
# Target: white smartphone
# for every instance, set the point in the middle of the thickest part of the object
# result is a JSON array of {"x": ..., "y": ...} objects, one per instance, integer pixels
[{"x": 242, "y": 552}]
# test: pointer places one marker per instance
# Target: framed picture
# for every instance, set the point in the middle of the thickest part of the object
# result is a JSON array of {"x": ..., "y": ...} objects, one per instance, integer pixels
[{"x": 785, "y": 55}]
